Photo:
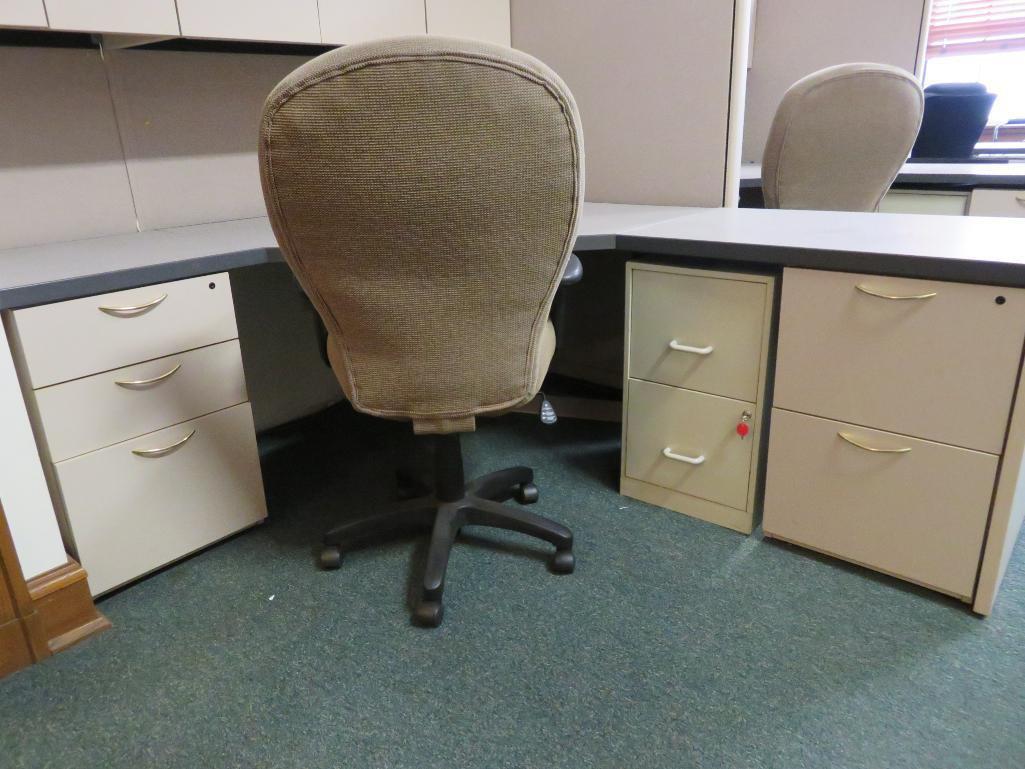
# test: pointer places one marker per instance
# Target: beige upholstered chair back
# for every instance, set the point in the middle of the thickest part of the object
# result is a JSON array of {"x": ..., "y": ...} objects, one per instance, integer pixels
[
  {"x": 839, "y": 138},
  {"x": 426, "y": 192}
]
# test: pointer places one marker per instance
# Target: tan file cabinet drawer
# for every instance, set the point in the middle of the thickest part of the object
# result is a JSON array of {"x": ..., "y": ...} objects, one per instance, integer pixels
[
  {"x": 920, "y": 515},
  {"x": 132, "y": 514},
  {"x": 712, "y": 462},
  {"x": 719, "y": 321},
  {"x": 997, "y": 203},
  {"x": 79, "y": 337},
  {"x": 90, "y": 413},
  {"x": 941, "y": 368}
]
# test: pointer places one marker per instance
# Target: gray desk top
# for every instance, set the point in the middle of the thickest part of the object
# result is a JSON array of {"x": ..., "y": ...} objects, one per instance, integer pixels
[
  {"x": 945, "y": 175},
  {"x": 968, "y": 249},
  {"x": 960, "y": 248},
  {"x": 56, "y": 271}
]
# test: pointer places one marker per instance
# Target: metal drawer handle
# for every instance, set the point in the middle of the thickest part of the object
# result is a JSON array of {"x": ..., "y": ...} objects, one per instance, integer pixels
[
  {"x": 847, "y": 437},
  {"x": 143, "y": 382},
  {"x": 668, "y": 454},
  {"x": 134, "y": 309},
  {"x": 1020, "y": 199},
  {"x": 870, "y": 292},
  {"x": 164, "y": 450},
  {"x": 687, "y": 348}
]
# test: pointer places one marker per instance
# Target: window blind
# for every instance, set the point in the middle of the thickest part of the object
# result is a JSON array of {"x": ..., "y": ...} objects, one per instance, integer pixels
[{"x": 975, "y": 26}]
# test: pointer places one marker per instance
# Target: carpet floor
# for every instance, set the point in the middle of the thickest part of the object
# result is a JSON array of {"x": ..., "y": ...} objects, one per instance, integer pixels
[{"x": 675, "y": 644}]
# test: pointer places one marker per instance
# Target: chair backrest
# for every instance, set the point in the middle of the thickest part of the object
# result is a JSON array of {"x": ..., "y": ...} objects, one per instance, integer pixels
[
  {"x": 839, "y": 138},
  {"x": 426, "y": 193},
  {"x": 955, "y": 116}
]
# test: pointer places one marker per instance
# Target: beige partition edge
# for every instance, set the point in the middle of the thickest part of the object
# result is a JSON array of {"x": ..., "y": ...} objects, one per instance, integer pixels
[
  {"x": 653, "y": 84},
  {"x": 1008, "y": 513},
  {"x": 794, "y": 38}
]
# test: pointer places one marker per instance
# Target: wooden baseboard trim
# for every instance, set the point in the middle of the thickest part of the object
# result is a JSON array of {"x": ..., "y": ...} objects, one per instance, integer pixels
[{"x": 64, "y": 602}]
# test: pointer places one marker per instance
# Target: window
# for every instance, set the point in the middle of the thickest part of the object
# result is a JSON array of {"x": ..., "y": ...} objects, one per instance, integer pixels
[{"x": 980, "y": 41}]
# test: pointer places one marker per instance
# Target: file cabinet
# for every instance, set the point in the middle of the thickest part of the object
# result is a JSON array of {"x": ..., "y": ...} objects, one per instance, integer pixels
[
  {"x": 697, "y": 353},
  {"x": 891, "y": 410},
  {"x": 140, "y": 409}
]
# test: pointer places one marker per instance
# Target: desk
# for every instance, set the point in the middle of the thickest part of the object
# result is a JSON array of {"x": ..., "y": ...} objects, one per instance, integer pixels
[{"x": 960, "y": 250}]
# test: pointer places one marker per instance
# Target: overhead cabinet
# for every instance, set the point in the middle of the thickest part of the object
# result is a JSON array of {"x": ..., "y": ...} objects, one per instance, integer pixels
[
  {"x": 143, "y": 17},
  {"x": 269, "y": 20},
  {"x": 349, "y": 21},
  {"x": 22, "y": 13}
]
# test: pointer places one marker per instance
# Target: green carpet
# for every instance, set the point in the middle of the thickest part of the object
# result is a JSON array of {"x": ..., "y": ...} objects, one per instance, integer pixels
[{"x": 675, "y": 644}]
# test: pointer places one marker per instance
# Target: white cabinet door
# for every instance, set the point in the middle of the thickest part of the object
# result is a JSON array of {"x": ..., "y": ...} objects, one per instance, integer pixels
[
  {"x": 352, "y": 21},
  {"x": 486, "y": 20},
  {"x": 270, "y": 20},
  {"x": 22, "y": 13},
  {"x": 150, "y": 17}
]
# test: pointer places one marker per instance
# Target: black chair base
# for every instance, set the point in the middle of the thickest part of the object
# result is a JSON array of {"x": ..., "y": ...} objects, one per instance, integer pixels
[{"x": 454, "y": 504}]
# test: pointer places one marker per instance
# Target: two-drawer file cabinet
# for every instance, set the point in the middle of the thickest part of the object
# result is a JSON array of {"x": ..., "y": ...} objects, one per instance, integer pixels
[
  {"x": 697, "y": 350},
  {"x": 890, "y": 415},
  {"x": 140, "y": 409}
]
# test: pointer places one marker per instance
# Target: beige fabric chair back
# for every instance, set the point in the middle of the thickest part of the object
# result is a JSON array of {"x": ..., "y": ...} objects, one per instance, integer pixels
[
  {"x": 426, "y": 192},
  {"x": 839, "y": 138}
]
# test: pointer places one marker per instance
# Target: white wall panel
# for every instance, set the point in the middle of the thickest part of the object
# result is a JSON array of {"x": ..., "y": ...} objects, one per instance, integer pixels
[
  {"x": 189, "y": 123},
  {"x": 62, "y": 174},
  {"x": 652, "y": 81}
]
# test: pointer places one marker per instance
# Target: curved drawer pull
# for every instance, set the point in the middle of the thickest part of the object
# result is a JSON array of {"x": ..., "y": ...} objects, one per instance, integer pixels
[
  {"x": 668, "y": 454},
  {"x": 687, "y": 348},
  {"x": 865, "y": 290},
  {"x": 133, "y": 309},
  {"x": 143, "y": 382},
  {"x": 847, "y": 437},
  {"x": 164, "y": 450},
  {"x": 1020, "y": 199}
]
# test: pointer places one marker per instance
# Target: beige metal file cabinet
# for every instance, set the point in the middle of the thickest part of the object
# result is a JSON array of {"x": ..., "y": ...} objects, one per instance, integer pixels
[
  {"x": 697, "y": 351},
  {"x": 890, "y": 431},
  {"x": 140, "y": 409}
]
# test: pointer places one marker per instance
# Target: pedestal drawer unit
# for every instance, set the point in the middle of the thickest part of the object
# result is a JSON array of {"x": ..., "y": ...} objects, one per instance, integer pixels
[
  {"x": 890, "y": 418},
  {"x": 140, "y": 410},
  {"x": 697, "y": 348}
]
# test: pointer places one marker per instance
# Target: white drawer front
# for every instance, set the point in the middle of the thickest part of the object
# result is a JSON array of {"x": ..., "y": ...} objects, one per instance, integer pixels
[
  {"x": 997, "y": 203},
  {"x": 709, "y": 459},
  {"x": 920, "y": 514},
  {"x": 96, "y": 411},
  {"x": 132, "y": 514},
  {"x": 942, "y": 367},
  {"x": 76, "y": 338},
  {"x": 702, "y": 333}
]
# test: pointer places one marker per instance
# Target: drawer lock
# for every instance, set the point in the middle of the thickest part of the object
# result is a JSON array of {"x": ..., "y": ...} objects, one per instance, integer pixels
[{"x": 744, "y": 426}]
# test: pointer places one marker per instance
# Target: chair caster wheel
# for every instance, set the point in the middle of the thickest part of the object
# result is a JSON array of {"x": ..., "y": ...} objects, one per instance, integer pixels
[
  {"x": 526, "y": 493},
  {"x": 429, "y": 614},
  {"x": 330, "y": 558},
  {"x": 563, "y": 562}
]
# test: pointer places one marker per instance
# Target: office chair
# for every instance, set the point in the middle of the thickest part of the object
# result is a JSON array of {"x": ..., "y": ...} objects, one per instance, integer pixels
[
  {"x": 426, "y": 192},
  {"x": 839, "y": 138},
  {"x": 955, "y": 116}
]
